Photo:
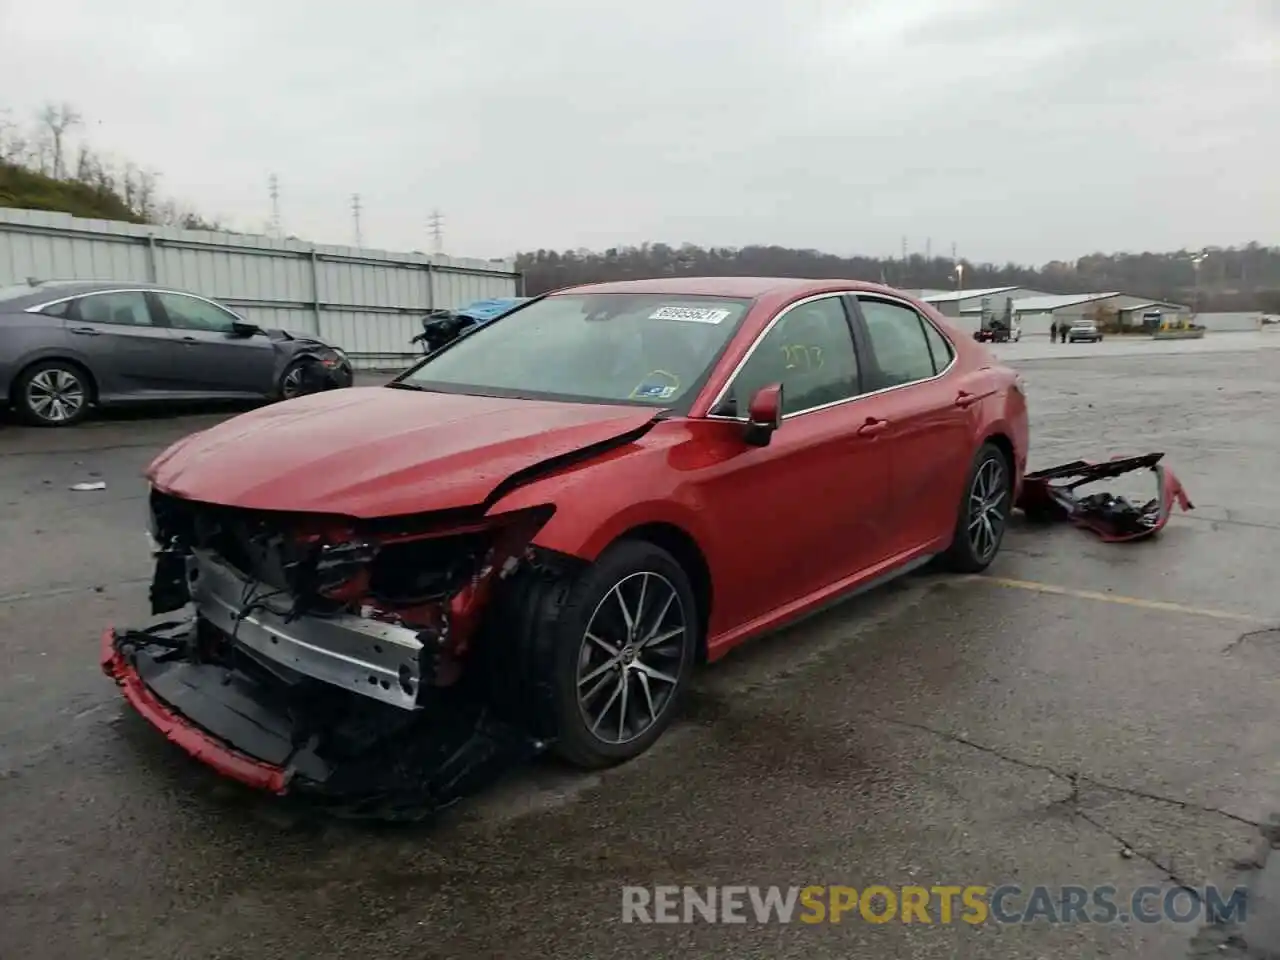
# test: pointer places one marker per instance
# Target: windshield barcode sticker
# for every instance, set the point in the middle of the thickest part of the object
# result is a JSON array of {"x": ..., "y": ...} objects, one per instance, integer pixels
[{"x": 689, "y": 314}]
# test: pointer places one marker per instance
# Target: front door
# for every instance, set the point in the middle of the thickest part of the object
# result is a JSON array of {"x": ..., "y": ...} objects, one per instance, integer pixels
[
  {"x": 932, "y": 433},
  {"x": 213, "y": 357},
  {"x": 130, "y": 350},
  {"x": 807, "y": 510}
]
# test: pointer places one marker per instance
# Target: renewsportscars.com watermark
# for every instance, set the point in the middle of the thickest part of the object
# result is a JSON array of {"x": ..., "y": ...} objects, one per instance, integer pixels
[{"x": 971, "y": 904}]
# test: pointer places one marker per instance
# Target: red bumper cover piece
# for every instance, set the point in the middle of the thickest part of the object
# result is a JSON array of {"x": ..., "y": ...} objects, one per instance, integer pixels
[
  {"x": 202, "y": 746},
  {"x": 1051, "y": 494}
]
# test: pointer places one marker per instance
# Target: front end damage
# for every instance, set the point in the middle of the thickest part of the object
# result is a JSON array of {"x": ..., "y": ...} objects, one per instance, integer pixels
[{"x": 327, "y": 656}]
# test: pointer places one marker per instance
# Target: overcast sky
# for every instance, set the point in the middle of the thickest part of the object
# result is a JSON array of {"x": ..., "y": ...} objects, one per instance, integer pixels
[{"x": 1022, "y": 130}]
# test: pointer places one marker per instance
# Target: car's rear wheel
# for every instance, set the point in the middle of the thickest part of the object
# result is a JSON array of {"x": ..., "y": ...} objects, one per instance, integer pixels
[
  {"x": 605, "y": 653},
  {"x": 984, "y": 513},
  {"x": 53, "y": 393}
]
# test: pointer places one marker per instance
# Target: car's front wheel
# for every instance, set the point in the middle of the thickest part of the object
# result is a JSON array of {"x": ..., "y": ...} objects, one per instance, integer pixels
[
  {"x": 605, "y": 653},
  {"x": 53, "y": 393},
  {"x": 984, "y": 514},
  {"x": 295, "y": 381}
]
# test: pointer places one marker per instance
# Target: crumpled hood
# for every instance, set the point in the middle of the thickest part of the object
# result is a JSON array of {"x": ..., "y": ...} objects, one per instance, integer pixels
[{"x": 378, "y": 451}]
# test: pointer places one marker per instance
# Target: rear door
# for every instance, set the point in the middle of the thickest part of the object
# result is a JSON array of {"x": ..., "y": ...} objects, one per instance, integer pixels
[
  {"x": 212, "y": 357},
  {"x": 805, "y": 511},
  {"x": 931, "y": 438},
  {"x": 126, "y": 344}
]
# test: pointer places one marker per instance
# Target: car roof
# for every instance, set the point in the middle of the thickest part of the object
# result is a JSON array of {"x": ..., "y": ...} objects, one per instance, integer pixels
[
  {"x": 46, "y": 290},
  {"x": 752, "y": 287}
]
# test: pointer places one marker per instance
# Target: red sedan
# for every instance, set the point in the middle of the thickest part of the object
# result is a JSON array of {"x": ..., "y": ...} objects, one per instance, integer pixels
[{"x": 556, "y": 517}]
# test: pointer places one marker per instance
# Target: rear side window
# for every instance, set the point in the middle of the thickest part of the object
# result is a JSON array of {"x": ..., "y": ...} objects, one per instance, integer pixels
[
  {"x": 938, "y": 347},
  {"x": 125, "y": 309},
  {"x": 898, "y": 339},
  {"x": 57, "y": 309}
]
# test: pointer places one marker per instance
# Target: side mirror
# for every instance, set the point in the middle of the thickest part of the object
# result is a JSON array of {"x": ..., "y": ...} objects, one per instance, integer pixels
[
  {"x": 764, "y": 415},
  {"x": 242, "y": 328}
]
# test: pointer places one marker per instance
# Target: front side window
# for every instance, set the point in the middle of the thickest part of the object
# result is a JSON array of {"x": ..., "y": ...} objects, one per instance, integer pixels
[
  {"x": 125, "y": 309},
  {"x": 898, "y": 338},
  {"x": 191, "y": 313},
  {"x": 809, "y": 351},
  {"x": 642, "y": 348}
]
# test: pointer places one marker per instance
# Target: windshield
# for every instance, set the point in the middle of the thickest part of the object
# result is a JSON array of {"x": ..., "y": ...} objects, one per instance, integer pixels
[{"x": 603, "y": 348}]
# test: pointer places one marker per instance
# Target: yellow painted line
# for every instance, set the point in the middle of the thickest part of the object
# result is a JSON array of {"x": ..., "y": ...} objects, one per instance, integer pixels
[{"x": 1141, "y": 603}]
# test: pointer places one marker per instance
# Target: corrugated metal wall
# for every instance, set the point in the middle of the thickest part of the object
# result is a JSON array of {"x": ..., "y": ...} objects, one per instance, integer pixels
[{"x": 367, "y": 301}]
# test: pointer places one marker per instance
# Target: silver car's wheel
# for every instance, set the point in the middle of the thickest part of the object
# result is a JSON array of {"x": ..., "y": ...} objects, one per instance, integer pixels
[
  {"x": 53, "y": 394},
  {"x": 630, "y": 657}
]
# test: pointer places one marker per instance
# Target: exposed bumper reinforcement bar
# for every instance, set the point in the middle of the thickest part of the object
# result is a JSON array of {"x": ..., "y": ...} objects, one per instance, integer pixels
[{"x": 378, "y": 660}]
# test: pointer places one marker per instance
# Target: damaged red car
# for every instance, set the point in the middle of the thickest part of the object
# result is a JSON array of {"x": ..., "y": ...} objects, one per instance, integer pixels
[{"x": 530, "y": 538}]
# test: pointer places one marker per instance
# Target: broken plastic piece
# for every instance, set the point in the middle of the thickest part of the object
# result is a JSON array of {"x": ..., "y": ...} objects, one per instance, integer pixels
[
  {"x": 1051, "y": 495},
  {"x": 86, "y": 487}
]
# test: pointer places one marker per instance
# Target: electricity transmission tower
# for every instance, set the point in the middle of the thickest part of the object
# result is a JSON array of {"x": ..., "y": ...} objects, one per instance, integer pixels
[
  {"x": 273, "y": 190},
  {"x": 435, "y": 224},
  {"x": 355, "y": 216}
]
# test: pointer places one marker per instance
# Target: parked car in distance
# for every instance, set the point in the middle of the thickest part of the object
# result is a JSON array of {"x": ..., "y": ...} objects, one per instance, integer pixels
[
  {"x": 997, "y": 332},
  {"x": 571, "y": 505},
  {"x": 1084, "y": 331},
  {"x": 68, "y": 345}
]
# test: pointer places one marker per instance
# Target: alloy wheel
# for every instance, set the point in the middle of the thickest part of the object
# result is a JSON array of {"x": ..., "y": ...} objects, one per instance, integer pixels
[
  {"x": 291, "y": 385},
  {"x": 630, "y": 656},
  {"x": 987, "y": 508},
  {"x": 55, "y": 395}
]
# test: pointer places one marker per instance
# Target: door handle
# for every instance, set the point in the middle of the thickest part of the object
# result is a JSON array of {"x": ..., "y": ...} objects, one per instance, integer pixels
[
  {"x": 965, "y": 399},
  {"x": 86, "y": 331},
  {"x": 873, "y": 427}
]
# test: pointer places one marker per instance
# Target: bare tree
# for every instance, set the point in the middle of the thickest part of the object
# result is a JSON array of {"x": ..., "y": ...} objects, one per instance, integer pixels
[{"x": 57, "y": 119}]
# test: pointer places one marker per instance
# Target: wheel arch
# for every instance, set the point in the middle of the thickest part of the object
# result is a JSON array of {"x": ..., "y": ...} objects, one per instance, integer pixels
[
  {"x": 684, "y": 548},
  {"x": 70, "y": 361}
]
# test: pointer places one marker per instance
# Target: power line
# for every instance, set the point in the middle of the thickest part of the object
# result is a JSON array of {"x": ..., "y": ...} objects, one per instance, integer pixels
[
  {"x": 435, "y": 224},
  {"x": 355, "y": 216},
  {"x": 273, "y": 189}
]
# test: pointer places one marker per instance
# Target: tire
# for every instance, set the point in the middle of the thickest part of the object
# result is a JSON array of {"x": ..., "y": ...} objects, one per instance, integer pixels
[
  {"x": 556, "y": 660},
  {"x": 293, "y": 380},
  {"x": 974, "y": 546},
  {"x": 53, "y": 393}
]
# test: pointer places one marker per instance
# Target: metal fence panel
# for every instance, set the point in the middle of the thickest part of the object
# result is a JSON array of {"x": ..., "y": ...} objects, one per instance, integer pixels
[{"x": 367, "y": 301}]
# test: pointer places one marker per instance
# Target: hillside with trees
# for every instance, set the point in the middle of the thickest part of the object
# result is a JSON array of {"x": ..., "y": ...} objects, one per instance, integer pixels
[
  {"x": 43, "y": 166},
  {"x": 1232, "y": 278}
]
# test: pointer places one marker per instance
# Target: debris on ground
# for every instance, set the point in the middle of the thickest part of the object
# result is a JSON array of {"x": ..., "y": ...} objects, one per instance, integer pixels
[
  {"x": 1051, "y": 494},
  {"x": 87, "y": 487}
]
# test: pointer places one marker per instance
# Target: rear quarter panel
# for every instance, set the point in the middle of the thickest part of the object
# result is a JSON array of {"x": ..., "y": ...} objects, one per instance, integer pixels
[{"x": 28, "y": 337}]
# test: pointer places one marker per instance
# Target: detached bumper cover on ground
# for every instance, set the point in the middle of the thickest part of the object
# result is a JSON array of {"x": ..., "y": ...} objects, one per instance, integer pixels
[
  {"x": 1051, "y": 495},
  {"x": 360, "y": 765}
]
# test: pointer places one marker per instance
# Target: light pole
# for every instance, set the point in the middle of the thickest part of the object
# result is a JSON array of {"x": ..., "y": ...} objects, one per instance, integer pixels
[
  {"x": 1195, "y": 293},
  {"x": 959, "y": 276}
]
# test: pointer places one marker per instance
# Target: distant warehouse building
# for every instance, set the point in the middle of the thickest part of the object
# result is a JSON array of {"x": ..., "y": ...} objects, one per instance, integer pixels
[
  {"x": 966, "y": 307},
  {"x": 1037, "y": 314}
]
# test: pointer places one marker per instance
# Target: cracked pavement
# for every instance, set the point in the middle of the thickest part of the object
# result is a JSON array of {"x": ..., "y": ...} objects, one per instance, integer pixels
[{"x": 1052, "y": 723}]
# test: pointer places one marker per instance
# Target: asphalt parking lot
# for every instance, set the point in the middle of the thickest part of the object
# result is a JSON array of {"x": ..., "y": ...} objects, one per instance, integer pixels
[{"x": 1087, "y": 714}]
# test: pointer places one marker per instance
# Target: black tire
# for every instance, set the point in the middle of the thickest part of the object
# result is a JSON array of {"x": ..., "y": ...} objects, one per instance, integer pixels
[
  {"x": 293, "y": 381},
  {"x": 53, "y": 393},
  {"x": 970, "y": 551},
  {"x": 538, "y": 682}
]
